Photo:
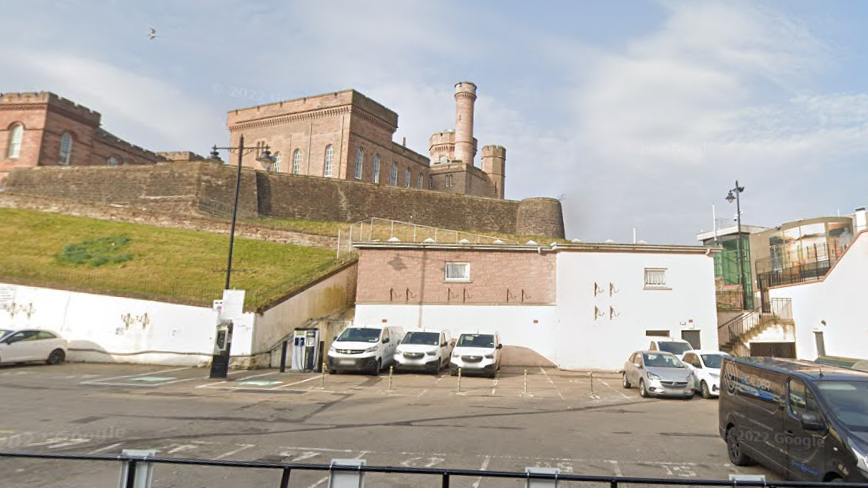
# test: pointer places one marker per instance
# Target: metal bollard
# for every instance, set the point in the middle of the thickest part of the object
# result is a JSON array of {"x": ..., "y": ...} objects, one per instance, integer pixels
[
  {"x": 322, "y": 377},
  {"x": 391, "y": 371},
  {"x": 459, "y": 380},
  {"x": 592, "y": 382},
  {"x": 525, "y": 382},
  {"x": 136, "y": 471}
]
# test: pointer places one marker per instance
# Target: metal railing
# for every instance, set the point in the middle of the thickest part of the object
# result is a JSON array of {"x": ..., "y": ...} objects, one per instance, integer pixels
[
  {"x": 132, "y": 468},
  {"x": 731, "y": 332}
]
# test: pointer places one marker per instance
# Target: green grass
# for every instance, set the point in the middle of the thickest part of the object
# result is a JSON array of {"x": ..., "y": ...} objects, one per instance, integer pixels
[
  {"x": 164, "y": 264},
  {"x": 304, "y": 226}
]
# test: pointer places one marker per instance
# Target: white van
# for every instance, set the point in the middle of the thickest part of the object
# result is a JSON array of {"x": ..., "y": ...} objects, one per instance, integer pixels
[
  {"x": 668, "y": 344},
  {"x": 476, "y": 352},
  {"x": 366, "y": 348},
  {"x": 424, "y": 349}
]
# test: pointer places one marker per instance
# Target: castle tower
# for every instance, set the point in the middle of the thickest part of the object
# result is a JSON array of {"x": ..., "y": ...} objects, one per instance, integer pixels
[
  {"x": 494, "y": 165},
  {"x": 465, "y": 96}
]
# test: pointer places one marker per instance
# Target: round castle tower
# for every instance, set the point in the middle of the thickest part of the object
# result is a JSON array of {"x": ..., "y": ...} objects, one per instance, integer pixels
[
  {"x": 465, "y": 96},
  {"x": 494, "y": 165},
  {"x": 540, "y": 217}
]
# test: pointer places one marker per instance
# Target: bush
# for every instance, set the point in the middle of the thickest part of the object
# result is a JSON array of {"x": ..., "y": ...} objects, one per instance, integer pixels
[{"x": 96, "y": 252}]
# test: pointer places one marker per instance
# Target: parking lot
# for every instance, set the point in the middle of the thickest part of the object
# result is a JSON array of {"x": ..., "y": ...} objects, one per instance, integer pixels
[{"x": 524, "y": 417}]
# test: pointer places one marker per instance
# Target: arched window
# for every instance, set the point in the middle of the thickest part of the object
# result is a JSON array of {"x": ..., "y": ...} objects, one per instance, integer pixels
[
  {"x": 360, "y": 158},
  {"x": 419, "y": 180},
  {"x": 407, "y": 177},
  {"x": 328, "y": 166},
  {"x": 113, "y": 162},
  {"x": 65, "y": 148},
  {"x": 276, "y": 167},
  {"x": 393, "y": 176},
  {"x": 15, "y": 137},
  {"x": 376, "y": 177},
  {"x": 296, "y": 162}
]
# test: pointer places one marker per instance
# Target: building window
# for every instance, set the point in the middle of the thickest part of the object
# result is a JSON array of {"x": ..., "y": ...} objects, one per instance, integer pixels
[
  {"x": 376, "y": 176},
  {"x": 277, "y": 159},
  {"x": 457, "y": 271},
  {"x": 449, "y": 181},
  {"x": 431, "y": 182},
  {"x": 15, "y": 137},
  {"x": 419, "y": 180},
  {"x": 329, "y": 161},
  {"x": 655, "y": 278},
  {"x": 407, "y": 177},
  {"x": 360, "y": 161},
  {"x": 393, "y": 176},
  {"x": 65, "y": 148},
  {"x": 296, "y": 162},
  {"x": 113, "y": 162}
]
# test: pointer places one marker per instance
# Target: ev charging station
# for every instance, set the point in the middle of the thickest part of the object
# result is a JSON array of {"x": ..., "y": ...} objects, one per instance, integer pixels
[{"x": 305, "y": 350}]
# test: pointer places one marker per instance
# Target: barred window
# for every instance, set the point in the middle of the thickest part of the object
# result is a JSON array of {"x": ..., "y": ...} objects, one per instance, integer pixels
[
  {"x": 655, "y": 277},
  {"x": 328, "y": 167},
  {"x": 393, "y": 177},
  {"x": 65, "y": 149},
  {"x": 276, "y": 167},
  {"x": 376, "y": 177},
  {"x": 419, "y": 180},
  {"x": 15, "y": 137},
  {"x": 296, "y": 162},
  {"x": 360, "y": 158},
  {"x": 457, "y": 271},
  {"x": 407, "y": 177}
]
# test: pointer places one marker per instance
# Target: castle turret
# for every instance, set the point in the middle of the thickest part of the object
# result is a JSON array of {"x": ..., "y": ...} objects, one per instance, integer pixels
[
  {"x": 494, "y": 165},
  {"x": 465, "y": 96}
]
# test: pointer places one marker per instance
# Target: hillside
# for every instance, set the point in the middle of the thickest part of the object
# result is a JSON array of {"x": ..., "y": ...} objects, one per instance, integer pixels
[{"x": 76, "y": 253}]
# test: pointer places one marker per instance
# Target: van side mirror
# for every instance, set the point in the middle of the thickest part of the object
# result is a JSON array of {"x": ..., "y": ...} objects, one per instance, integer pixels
[
  {"x": 500, "y": 346},
  {"x": 443, "y": 344},
  {"x": 812, "y": 421},
  {"x": 385, "y": 340},
  {"x": 638, "y": 365}
]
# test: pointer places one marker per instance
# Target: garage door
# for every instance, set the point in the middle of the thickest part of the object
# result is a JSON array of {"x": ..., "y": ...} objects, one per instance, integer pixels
[{"x": 773, "y": 349}]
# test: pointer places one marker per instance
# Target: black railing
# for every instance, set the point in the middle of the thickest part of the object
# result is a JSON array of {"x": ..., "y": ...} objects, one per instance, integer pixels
[
  {"x": 445, "y": 475},
  {"x": 776, "y": 309}
]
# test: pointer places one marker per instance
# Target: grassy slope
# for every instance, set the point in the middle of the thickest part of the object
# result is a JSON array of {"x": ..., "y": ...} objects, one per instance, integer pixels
[{"x": 186, "y": 266}]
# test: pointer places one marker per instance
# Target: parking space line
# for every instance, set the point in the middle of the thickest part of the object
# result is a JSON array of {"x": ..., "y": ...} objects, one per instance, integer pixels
[
  {"x": 494, "y": 387},
  {"x": 296, "y": 383},
  {"x": 149, "y": 373},
  {"x": 616, "y": 467},
  {"x": 553, "y": 383},
  {"x": 236, "y": 451},
  {"x": 614, "y": 389},
  {"x": 106, "y": 448},
  {"x": 483, "y": 468}
]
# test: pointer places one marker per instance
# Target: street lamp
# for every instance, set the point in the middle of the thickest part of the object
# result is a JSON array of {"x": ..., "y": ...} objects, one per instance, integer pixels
[
  {"x": 223, "y": 337},
  {"x": 729, "y": 198}
]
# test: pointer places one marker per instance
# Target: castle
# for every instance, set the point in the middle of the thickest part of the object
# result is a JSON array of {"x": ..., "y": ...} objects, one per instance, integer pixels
[{"x": 348, "y": 136}]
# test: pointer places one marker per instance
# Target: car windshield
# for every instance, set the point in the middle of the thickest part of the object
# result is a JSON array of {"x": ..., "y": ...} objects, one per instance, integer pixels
[
  {"x": 476, "y": 340},
  {"x": 4, "y": 333},
  {"x": 359, "y": 334},
  {"x": 426, "y": 338},
  {"x": 712, "y": 361},
  {"x": 674, "y": 347},
  {"x": 848, "y": 401},
  {"x": 662, "y": 361}
]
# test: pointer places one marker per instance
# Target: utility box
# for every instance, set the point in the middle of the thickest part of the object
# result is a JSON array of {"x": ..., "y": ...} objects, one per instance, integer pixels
[{"x": 305, "y": 350}]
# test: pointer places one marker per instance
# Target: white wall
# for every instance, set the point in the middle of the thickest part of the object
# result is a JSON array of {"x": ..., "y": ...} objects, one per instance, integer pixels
[
  {"x": 515, "y": 323},
  {"x": 586, "y": 342},
  {"x": 837, "y": 300},
  {"x": 113, "y": 329}
]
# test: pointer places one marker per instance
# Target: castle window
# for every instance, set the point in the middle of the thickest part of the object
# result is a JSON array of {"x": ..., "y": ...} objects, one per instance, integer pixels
[
  {"x": 393, "y": 176},
  {"x": 328, "y": 167},
  {"x": 431, "y": 182},
  {"x": 113, "y": 162},
  {"x": 360, "y": 158},
  {"x": 376, "y": 177},
  {"x": 15, "y": 136},
  {"x": 407, "y": 177},
  {"x": 65, "y": 148},
  {"x": 296, "y": 162},
  {"x": 449, "y": 181},
  {"x": 419, "y": 180},
  {"x": 276, "y": 167}
]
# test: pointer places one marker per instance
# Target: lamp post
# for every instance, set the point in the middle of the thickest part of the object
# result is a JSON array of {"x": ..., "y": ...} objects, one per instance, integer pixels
[
  {"x": 223, "y": 337},
  {"x": 730, "y": 198}
]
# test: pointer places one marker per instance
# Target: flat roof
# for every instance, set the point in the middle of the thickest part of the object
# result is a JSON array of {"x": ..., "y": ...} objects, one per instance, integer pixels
[
  {"x": 730, "y": 231},
  {"x": 553, "y": 247}
]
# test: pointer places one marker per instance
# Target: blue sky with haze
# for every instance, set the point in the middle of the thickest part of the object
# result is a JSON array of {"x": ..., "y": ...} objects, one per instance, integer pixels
[{"x": 639, "y": 114}]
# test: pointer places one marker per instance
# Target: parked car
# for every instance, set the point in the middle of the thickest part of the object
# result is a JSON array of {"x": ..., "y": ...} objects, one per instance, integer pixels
[
  {"x": 426, "y": 350},
  {"x": 366, "y": 348},
  {"x": 476, "y": 352},
  {"x": 668, "y": 344},
  {"x": 19, "y": 346},
  {"x": 658, "y": 373},
  {"x": 803, "y": 420},
  {"x": 705, "y": 366}
]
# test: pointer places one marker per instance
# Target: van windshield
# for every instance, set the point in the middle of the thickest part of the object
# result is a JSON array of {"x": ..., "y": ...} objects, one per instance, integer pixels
[
  {"x": 848, "y": 401},
  {"x": 476, "y": 340},
  {"x": 712, "y": 360},
  {"x": 359, "y": 334},
  {"x": 426, "y": 338},
  {"x": 653, "y": 360},
  {"x": 674, "y": 347}
]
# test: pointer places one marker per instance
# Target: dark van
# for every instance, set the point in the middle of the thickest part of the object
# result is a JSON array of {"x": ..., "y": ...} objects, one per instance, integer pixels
[{"x": 803, "y": 420}]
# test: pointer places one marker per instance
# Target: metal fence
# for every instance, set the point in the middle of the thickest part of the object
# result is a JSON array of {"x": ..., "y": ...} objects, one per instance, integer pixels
[{"x": 137, "y": 471}]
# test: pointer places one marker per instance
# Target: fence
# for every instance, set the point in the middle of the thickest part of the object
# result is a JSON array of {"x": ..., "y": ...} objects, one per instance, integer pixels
[
  {"x": 137, "y": 470},
  {"x": 731, "y": 332}
]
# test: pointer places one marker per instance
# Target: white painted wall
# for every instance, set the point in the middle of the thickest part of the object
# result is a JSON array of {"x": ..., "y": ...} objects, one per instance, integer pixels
[
  {"x": 837, "y": 300},
  {"x": 586, "y": 342},
  {"x": 154, "y": 333}
]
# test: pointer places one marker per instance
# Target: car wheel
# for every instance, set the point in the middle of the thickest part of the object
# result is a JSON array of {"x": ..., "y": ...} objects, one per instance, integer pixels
[
  {"x": 377, "y": 368},
  {"x": 733, "y": 449},
  {"x": 333, "y": 371},
  {"x": 642, "y": 391},
  {"x": 56, "y": 357},
  {"x": 703, "y": 389},
  {"x": 453, "y": 372},
  {"x": 624, "y": 381}
]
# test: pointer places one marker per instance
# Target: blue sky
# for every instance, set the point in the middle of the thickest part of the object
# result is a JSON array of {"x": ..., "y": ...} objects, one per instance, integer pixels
[{"x": 638, "y": 114}]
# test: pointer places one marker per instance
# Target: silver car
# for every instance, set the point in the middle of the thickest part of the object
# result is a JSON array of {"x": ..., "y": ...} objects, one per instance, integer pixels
[{"x": 658, "y": 373}]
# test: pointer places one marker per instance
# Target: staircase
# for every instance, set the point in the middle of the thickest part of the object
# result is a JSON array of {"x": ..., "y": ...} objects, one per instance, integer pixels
[{"x": 734, "y": 336}]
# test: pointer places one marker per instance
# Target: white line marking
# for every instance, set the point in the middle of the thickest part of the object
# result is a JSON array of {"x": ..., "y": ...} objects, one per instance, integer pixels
[
  {"x": 553, "y": 384},
  {"x": 150, "y": 373},
  {"x": 423, "y": 392},
  {"x": 613, "y": 388},
  {"x": 236, "y": 451},
  {"x": 483, "y": 468},
  {"x": 296, "y": 383},
  {"x": 321, "y": 449},
  {"x": 494, "y": 387},
  {"x": 106, "y": 448},
  {"x": 617, "y": 468}
]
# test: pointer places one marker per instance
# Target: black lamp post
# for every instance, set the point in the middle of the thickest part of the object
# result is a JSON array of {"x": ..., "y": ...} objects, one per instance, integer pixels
[
  {"x": 220, "y": 359},
  {"x": 730, "y": 198}
]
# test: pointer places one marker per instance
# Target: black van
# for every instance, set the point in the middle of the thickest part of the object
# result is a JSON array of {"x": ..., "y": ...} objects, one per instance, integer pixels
[{"x": 803, "y": 420}]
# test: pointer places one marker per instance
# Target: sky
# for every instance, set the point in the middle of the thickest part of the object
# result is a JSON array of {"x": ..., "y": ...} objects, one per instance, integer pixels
[{"x": 637, "y": 114}]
